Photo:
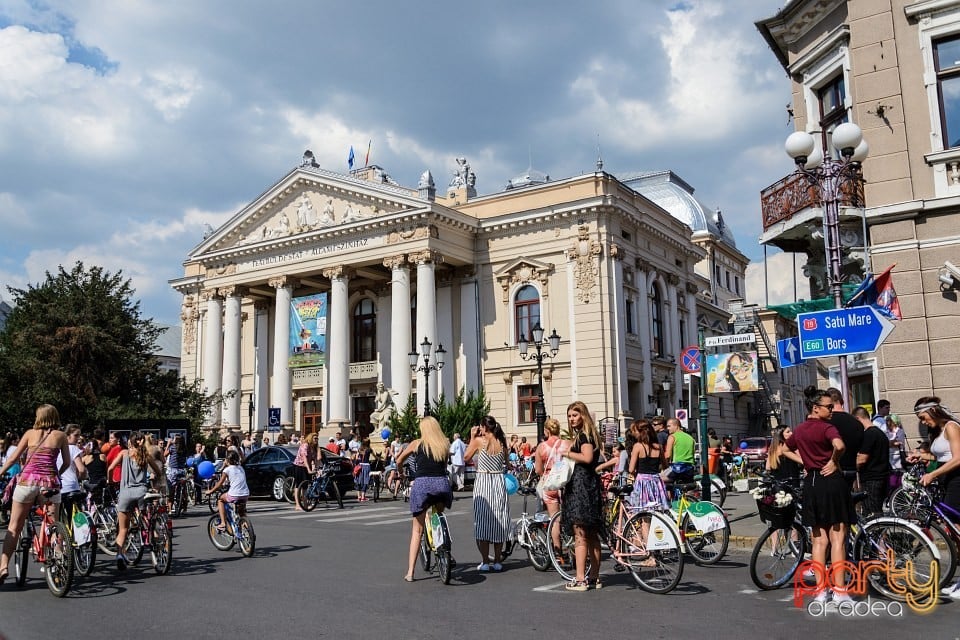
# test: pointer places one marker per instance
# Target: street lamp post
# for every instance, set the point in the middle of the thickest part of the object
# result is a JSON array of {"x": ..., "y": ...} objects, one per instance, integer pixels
[
  {"x": 539, "y": 357},
  {"x": 426, "y": 368},
  {"x": 829, "y": 177}
]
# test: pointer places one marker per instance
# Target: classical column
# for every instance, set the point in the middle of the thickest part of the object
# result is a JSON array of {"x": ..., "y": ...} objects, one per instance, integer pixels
[
  {"x": 281, "y": 393},
  {"x": 620, "y": 329},
  {"x": 231, "y": 355},
  {"x": 213, "y": 350},
  {"x": 469, "y": 357},
  {"x": 337, "y": 390},
  {"x": 261, "y": 376},
  {"x": 691, "y": 300},
  {"x": 399, "y": 328},
  {"x": 426, "y": 262},
  {"x": 675, "y": 392},
  {"x": 644, "y": 328}
]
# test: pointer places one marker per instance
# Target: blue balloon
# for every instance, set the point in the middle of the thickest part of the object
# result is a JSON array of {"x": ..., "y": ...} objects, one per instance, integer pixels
[
  {"x": 744, "y": 445},
  {"x": 385, "y": 434},
  {"x": 191, "y": 461},
  {"x": 513, "y": 456},
  {"x": 512, "y": 483},
  {"x": 205, "y": 470}
]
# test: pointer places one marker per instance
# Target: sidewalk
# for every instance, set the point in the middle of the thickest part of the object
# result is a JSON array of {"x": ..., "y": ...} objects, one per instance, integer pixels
[{"x": 745, "y": 524}]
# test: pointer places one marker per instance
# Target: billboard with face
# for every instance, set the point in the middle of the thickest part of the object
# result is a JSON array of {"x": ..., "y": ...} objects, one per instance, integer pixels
[{"x": 734, "y": 372}]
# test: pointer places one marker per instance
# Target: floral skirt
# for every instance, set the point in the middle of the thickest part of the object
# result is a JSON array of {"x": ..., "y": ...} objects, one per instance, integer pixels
[{"x": 648, "y": 491}]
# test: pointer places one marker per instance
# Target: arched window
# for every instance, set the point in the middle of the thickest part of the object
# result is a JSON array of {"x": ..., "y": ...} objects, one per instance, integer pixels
[
  {"x": 364, "y": 331},
  {"x": 656, "y": 321},
  {"x": 526, "y": 312}
]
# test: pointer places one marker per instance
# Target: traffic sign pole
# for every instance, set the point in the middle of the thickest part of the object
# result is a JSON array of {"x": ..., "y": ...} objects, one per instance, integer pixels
[{"x": 702, "y": 421}]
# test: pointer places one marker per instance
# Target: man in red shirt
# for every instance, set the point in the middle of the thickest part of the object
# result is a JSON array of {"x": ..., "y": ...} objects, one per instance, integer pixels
[{"x": 332, "y": 446}]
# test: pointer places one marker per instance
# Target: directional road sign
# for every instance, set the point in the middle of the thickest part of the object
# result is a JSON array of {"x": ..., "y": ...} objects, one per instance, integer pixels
[
  {"x": 690, "y": 359},
  {"x": 789, "y": 352},
  {"x": 842, "y": 332}
]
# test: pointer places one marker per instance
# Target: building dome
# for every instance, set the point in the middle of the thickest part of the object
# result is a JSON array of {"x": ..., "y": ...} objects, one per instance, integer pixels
[
  {"x": 668, "y": 191},
  {"x": 527, "y": 178}
]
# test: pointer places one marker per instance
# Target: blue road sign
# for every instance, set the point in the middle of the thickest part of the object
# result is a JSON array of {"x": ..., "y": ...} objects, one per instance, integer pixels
[
  {"x": 789, "y": 352},
  {"x": 274, "y": 422},
  {"x": 690, "y": 359},
  {"x": 841, "y": 332}
]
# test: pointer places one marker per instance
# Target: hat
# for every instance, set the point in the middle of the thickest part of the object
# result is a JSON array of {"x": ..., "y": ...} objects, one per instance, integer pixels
[
  {"x": 894, "y": 418},
  {"x": 332, "y": 439}
]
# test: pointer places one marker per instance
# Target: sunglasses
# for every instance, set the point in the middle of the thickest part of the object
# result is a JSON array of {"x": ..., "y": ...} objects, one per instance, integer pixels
[{"x": 828, "y": 407}]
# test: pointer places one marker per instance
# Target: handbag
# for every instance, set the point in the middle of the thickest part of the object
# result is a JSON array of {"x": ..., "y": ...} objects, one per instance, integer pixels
[{"x": 559, "y": 474}]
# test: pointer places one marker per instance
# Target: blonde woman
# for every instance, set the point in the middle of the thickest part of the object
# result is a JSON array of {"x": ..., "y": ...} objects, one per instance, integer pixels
[
  {"x": 431, "y": 486},
  {"x": 40, "y": 473},
  {"x": 133, "y": 462},
  {"x": 549, "y": 451},
  {"x": 582, "y": 500}
]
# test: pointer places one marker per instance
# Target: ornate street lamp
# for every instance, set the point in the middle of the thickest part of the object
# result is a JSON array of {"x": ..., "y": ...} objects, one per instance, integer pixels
[
  {"x": 539, "y": 357},
  {"x": 426, "y": 368},
  {"x": 830, "y": 177}
]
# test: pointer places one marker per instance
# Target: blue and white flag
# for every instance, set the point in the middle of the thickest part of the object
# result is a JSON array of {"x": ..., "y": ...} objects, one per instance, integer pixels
[{"x": 350, "y": 157}]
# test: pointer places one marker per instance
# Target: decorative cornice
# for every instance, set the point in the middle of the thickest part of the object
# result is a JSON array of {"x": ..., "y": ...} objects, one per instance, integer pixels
[
  {"x": 233, "y": 290},
  {"x": 339, "y": 272},
  {"x": 673, "y": 279},
  {"x": 522, "y": 272},
  {"x": 425, "y": 256},
  {"x": 395, "y": 262},
  {"x": 692, "y": 288},
  {"x": 419, "y": 232},
  {"x": 209, "y": 294},
  {"x": 280, "y": 282},
  {"x": 615, "y": 252}
]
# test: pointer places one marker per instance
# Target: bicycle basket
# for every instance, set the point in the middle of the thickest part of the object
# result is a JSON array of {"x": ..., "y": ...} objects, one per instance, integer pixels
[{"x": 777, "y": 517}]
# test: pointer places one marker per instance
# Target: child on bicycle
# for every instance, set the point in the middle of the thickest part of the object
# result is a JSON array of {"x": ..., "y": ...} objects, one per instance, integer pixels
[{"x": 237, "y": 493}]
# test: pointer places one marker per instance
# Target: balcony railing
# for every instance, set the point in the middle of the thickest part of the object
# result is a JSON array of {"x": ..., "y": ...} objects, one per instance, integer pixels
[{"x": 794, "y": 193}]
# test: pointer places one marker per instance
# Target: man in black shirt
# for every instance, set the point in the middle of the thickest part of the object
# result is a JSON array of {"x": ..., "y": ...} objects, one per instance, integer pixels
[
  {"x": 851, "y": 432},
  {"x": 873, "y": 463}
]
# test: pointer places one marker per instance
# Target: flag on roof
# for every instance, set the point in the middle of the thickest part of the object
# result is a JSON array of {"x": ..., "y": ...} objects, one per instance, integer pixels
[
  {"x": 878, "y": 292},
  {"x": 366, "y": 160},
  {"x": 350, "y": 158}
]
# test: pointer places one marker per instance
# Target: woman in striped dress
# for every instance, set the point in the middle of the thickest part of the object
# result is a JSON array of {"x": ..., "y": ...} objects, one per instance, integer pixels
[{"x": 491, "y": 508}]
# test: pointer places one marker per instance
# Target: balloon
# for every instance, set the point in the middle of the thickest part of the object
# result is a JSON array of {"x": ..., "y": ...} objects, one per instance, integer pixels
[
  {"x": 512, "y": 484},
  {"x": 513, "y": 456},
  {"x": 191, "y": 461},
  {"x": 744, "y": 445},
  {"x": 385, "y": 434},
  {"x": 205, "y": 470},
  {"x": 737, "y": 459}
]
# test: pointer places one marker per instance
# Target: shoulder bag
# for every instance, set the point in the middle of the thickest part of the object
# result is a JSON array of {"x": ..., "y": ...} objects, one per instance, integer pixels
[{"x": 560, "y": 473}]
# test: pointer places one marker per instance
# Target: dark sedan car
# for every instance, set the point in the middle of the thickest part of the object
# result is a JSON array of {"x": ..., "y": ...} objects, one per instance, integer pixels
[{"x": 268, "y": 467}]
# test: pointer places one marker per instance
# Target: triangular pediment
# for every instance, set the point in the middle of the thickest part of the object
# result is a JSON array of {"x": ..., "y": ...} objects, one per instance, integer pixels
[
  {"x": 524, "y": 271},
  {"x": 307, "y": 201}
]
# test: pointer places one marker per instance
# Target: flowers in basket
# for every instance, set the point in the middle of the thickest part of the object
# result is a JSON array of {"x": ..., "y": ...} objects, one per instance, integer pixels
[{"x": 778, "y": 499}]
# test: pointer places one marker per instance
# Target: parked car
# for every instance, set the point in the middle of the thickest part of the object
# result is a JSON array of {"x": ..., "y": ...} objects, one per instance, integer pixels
[
  {"x": 755, "y": 449},
  {"x": 268, "y": 467}
]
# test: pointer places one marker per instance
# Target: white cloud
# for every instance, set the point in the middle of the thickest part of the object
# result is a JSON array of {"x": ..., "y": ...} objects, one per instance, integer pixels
[
  {"x": 171, "y": 90},
  {"x": 780, "y": 284}
]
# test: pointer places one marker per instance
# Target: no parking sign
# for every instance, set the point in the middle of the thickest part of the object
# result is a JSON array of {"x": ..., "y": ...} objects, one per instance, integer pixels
[{"x": 683, "y": 417}]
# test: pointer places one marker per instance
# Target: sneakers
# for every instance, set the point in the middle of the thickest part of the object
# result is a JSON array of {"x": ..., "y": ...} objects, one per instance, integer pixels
[
  {"x": 841, "y": 597},
  {"x": 953, "y": 591},
  {"x": 823, "y": 597},
  {"x": 121, "y": 562},
  {"x": 496, "y": 567},
  {"x": 483, "y": 567}
]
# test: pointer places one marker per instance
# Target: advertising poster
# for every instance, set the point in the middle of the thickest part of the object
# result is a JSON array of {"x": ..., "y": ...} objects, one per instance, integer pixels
[
  {"x": 308, "y": 330},
  {"x": 734, "y": 372}
]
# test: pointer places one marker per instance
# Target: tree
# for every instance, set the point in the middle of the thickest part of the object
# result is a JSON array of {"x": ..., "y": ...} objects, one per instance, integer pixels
[
  {"x": 457, "y": 417},
  {"x": 78, "y": 341}
]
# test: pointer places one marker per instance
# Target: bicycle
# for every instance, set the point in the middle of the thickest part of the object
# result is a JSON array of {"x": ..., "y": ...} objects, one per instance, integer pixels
[
  {"x": 322, "y": 487},
  {"x": 47, "y": 540},
  {"x": 643, "y": 541},
  {"x": 82, "y": 532},
  {"x": 706, "y": 530},
  {"x": 180, "y": 496},
  {"x": 791, "y": 542},
  {"x": 237, "y": 530},
  {"x": 104, "y": 516},
  {"x": 530, "y": 534},
  {"x": 151, "y": 528},
  {"x": 376, "y": 477},
  {"x": 435, "y": 541}
]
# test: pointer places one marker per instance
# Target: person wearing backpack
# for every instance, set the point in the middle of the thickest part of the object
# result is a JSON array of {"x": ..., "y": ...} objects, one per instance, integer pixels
[{"x": 548, "y": 452}]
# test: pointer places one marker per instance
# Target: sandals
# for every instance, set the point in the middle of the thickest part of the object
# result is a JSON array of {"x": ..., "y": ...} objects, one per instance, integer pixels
[
  {"x": 408, "y": 578},
  {"x": 577, "y": 585},
  {"x": 3, "y": 575},
  {"x": 595, "y": 584}
]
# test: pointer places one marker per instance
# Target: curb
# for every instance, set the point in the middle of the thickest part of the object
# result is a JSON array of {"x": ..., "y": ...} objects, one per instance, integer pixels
[{"x": 743, "y": 542}]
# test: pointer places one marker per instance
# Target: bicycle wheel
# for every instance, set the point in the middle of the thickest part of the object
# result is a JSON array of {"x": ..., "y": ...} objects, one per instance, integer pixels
[
  {"x": 946, "y": 545},
  {"x": 246, "y": 536},
  {"x": 706, "y": 547},
  {"x": 910, "y": 502},
  {"x": 334, "y": 492},
  {"x": 443, "y": 565},
  {"x": 59, "y": 556},
  {"x": 181, "y": 501},
  {"x": 305, "y": 498},
  {"x": 539, "y": 550},
  {"x": 212, "y": 501},
  {"x": 106, "y": 523},
  {"x": 563, "y": 559},
  {"x": 289, "y": 484},
  {"x": 135, "y": 544},
  {"x": 85, "y": 557},
  {"x": 650, "y": 548},
  {"x": 910, "y": 547},
  {"x": 21, "y": 558},
  {"x": 773, "y": 565},
  {"x": 220, "y": 539},
  {"x": 425, "y": 558},
  {"x": 375, "y": 485},
  {"x": 161, "y": 545}
]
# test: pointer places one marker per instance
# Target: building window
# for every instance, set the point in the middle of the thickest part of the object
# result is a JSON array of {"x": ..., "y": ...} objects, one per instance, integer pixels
[
  {"x": 310, "y": 418},
  {"x": 682, "y": 332},
  {"x": 526, "y": 312},
  {"x": 656, "y": 321},
  {"x": 727, "y": 274},
  {"x": 736, "y": 284},
  {"x": 527, "y": 403},
  {"x": 631, "y": 328},
  {"x": 364, "y": 331},
  {"x": 946, "y": 60},
  {"x": 833, "y": 111}
]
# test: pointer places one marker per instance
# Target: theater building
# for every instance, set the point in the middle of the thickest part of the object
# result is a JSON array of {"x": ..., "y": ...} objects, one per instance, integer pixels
[{"x": 319, "y": 288}]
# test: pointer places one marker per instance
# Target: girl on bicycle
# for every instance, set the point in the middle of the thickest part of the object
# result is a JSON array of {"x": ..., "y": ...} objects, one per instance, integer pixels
[
  {"x": 304, "y": 465},
  {"x": 238, "y": 492},
  {"x": 134, "y": 462},
  {"x": 432, "y": 483},
  {"x": 42, "y": 445}
]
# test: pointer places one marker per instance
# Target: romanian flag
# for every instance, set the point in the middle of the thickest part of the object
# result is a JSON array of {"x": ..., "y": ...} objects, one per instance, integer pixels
[
  {"x": 350, "y": 158},
  {"x": 366, "y": 161},
  {"x": 878, "y": 292}
]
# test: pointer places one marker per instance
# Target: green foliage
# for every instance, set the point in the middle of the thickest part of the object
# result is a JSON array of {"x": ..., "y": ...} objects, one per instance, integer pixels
[
  {"x": 406, "y": 424},
  {"x": 464, "y": 412},
  {"x": 78, "y": 342}
]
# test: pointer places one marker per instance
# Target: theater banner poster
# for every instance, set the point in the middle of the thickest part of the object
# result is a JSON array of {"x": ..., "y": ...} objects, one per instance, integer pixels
[{"x": 308, "y": 331}]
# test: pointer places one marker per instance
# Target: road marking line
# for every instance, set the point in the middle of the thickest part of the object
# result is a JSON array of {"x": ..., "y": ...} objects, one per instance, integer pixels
[
  {"x": 549, "y": 587},
  {"x": 407, "y": 519},
  {"x": 344, "y": 519},
  {"x": 331, "y": 511}
]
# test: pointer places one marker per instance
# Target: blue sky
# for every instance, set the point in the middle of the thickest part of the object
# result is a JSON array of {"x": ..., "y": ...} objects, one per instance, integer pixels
[{"x": 125, "y": 127}]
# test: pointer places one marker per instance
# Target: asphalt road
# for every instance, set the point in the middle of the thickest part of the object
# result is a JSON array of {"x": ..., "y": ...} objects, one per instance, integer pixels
[{"x": 338, "y": 573}]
